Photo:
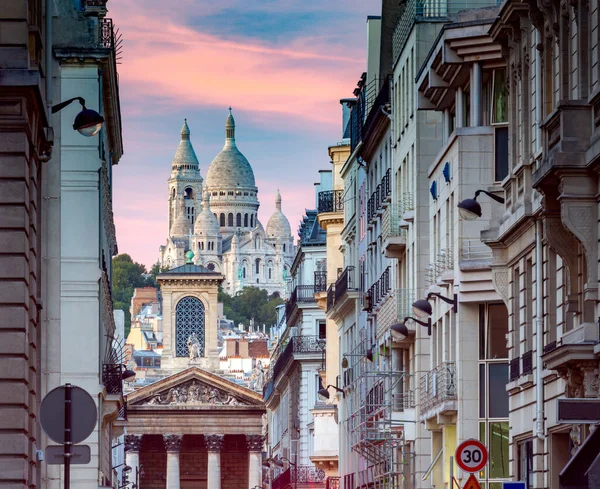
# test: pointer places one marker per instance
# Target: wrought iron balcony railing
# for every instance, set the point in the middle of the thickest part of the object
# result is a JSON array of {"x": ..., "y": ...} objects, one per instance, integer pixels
[
  {"x": 301, "y": 293},
  {"x": 331, "y": 201},
  {"x": 112, "y": 378},
  {"x": 330, "y": 296},
  {"x": 345, "y": 282},
  {"x": 403, "y": 400},
  {"x": 333, "y": 483},
  {"x": 298, "y": 344},
  {"x": 473, "y": 252},
  {"x": 390, "y": 224},
  {"x": 381, "y": 287},
  {"x": 438, "y": 385},
  {"x": 320, "y": 282}
]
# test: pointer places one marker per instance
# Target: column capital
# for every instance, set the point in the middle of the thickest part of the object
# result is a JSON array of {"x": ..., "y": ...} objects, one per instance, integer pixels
[
  {"x": 214, "y": 443},
  {"x": 133, "y": 442},
  {"x": 172, "y": 442},
  {"x": 255, "y": 443}
]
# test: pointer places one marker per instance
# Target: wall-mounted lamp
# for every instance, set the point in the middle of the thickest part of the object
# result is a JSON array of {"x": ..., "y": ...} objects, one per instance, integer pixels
[
  {"x": 325, "y": 392},
  {"x": 402, "y": 331},
  {"x": 469, "y": 209},
  {"x": 88, "y": 122},
  {"x": 422, "y": 307}
]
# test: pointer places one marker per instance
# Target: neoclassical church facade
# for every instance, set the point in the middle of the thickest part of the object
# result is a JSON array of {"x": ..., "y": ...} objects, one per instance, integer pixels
[{"x": 217, "y": 219}]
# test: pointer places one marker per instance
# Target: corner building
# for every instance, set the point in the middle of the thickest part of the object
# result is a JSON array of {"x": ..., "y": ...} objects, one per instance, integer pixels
[{"x": 217, "y": 219}]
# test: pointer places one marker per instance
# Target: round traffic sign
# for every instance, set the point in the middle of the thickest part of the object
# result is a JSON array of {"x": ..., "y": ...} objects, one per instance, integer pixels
[
  {"x": 84, "y": 414},
  {"x": 471, "y": 455}
]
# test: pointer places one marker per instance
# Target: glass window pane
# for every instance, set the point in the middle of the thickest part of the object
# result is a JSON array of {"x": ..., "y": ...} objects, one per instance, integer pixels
[
  {"x": 498, "y": 397},
  {"x": 482, "y": 390},
  {"x": 500, "y": 109},
  {"x": 498, "y": 446},
  {"x": 482, "y": 335},
  {"x": 497, "y": 331}
]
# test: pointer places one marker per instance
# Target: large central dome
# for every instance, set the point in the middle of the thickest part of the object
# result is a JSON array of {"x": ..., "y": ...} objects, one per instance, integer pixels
[{"x": 230, "y": 168}]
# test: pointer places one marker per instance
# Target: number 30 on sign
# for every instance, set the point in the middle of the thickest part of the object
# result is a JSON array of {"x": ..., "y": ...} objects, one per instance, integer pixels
[{"x": 471, "y": 456}]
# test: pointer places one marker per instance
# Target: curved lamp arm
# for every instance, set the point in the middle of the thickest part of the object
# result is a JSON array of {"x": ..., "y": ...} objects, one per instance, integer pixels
[
  {"x": 490, "y": 195},
  {"x": 422, "y": 323},
  {"x": 62, "y": 105},
  {"x": 453, "y": 302}
]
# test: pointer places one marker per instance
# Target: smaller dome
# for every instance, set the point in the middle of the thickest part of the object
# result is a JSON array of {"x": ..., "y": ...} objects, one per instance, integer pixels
[
  {"x": 206, "y": 222},
  {"x": 185, "y": 156},
  {"x": 189, "y": 256},
  {"x": 278, "y": 226},
  {"x": 181, "y": 225}
]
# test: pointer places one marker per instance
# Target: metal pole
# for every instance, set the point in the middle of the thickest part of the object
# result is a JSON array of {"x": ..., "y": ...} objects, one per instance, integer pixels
[
  {"x": 67, "y": 444},
  {"x": 296, "y": 467}
]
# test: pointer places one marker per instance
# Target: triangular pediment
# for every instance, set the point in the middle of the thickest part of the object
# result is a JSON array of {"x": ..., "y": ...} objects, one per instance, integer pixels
[{"x": 194, "y": 387}]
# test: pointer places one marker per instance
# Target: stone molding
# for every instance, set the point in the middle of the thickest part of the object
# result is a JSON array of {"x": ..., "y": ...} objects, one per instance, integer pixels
[
  {"x": 194, "y": 392},
  {"x": 172, "y": 442},
  {"x": 255, "y": 443},
  {"x": 133, "y": 442},
  {"x": 214, "y": 443}
]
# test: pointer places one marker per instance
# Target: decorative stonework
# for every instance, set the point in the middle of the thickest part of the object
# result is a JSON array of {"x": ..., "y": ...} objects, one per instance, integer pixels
[
  {"x": 590, "y": 382},
  {"x": 563, "y": 243},
  {"x": 133, "y": 442},
  {"x": 214, "y": 443},
  {"x": 255, "y": 443},
  {"x": 580, "y": 218},
  {"x": 194, "y": 392},
  {"x": 500, "y": 282},
  {"x": 172, "y": 442},
  {"x": 575, "y": 435}
]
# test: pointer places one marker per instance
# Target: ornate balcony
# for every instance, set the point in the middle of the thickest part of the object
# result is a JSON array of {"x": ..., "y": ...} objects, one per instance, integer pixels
[
  {"x": 320, "y": 282},
  {"x": 333, "y": 483},
  {"x": 302, "y": 294},
  {"x": 302, "y": 474},
  {"x": 331, "y": 201},
  {"x": 345, "y": 283},
  {"x": 330, "y": 296},
  {"x": 304, "y": 345},
  {"x": 112, "y": 378},
  {"x": 438, "y": 390}
]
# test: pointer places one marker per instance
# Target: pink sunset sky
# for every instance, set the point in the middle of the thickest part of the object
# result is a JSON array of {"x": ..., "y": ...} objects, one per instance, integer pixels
[{"x": 282, "y": 65}]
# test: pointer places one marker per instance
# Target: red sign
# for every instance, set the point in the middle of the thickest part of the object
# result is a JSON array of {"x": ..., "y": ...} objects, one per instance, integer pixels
[
  {"x": 472, "y": 483},
  {"x": 471, "y": 456}
]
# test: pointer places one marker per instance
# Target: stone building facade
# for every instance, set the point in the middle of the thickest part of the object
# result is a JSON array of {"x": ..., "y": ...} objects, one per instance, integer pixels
[{"x": 218, "y": 220}]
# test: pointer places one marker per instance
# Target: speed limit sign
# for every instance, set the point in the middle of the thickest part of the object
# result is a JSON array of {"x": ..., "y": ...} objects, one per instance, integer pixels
[{"x": 471, "y": 456}]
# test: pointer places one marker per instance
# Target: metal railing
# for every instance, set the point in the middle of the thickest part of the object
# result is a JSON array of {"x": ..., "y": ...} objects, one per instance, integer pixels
[
  {"x": 333, "y": 483},
  {"x": 112, "y": 378},
  {"x": 403, "y": 400},
  {"x": 473, "y": 250},
  {"x": 381, "y": 287},
  {"x": 346, "y": 281},
  {"x": 330, "y": 296},
  {"x": 430, "y": 10},
  {"x": 438, "y": 385},
  {"x": 390, "y": 223},
  {"x": 320, "y": 282},
  {"x": 404, "y": 302},
  {"x": 298, "y": 344},
  {"x": 302, "y": 474},
  {"x": 331, "y": 201},
  {"x": 301, "y": 293}
]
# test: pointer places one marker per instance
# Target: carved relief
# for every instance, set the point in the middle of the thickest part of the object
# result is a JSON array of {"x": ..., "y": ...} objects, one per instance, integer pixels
[
  {"x": 172, "y": 442},
  {"x": 194, "y": 392},
  {"x": 590, "y": 382},
  {"x": 255, "y": 443},
  {"x": 581, "y": 220},
  {"x": 214, "y": 443},
  {"x": 573, "y": 382},
  {"x": 563, "y": 243},
  {"x": 133, "y": 442},
  {"x": 500, "y": 282},
  {"x": 575, "y": 435}
]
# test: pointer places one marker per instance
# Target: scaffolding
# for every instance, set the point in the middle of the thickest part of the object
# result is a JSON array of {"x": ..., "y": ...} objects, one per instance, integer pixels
[{"x": 376, "y": 404}]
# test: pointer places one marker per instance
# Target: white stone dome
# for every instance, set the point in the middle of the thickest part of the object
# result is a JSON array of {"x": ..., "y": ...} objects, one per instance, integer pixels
[
  {"x": 278, "y": 225},
  {"x": 185, "y": 156},
  {"x": 206, "y": 222},
  {"x": 230, "y": 168}
]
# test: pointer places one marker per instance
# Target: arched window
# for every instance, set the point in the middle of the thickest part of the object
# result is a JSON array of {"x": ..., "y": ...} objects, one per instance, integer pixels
[
  {"x": 230, "y": 220},
  {"x": 222, "y": 220},
  {"x": 174, "y": 192},
  {"x": 201, "y": 245},
  {"x": 257, "y": 262},
  {"x": 284, "y": 247},
  {"x": 270, "y": 273},
  {"x": 189, "y": 322},
  {"x": 245, "y": 220},
  {"x": 251, "y": 220},
  {"x": 188, "y": 193},
  {"x": 244, "y": 272},
  {"x": 238, "y": 220}
]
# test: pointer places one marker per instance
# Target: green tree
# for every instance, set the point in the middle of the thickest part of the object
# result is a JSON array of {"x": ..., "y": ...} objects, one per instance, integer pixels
[
  {"x": 126, "y": 276},
  {"x": 250, "y": 303},
  {"x": 154, "y": 271}
]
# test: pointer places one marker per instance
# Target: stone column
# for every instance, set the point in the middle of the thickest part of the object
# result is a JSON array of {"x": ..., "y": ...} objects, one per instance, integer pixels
[
  {"x": 214, "y": 445},
  {"x": 132, "y": 455},
  {"x": 172, "y": 446},
  {"x": 255, "y": 445}
]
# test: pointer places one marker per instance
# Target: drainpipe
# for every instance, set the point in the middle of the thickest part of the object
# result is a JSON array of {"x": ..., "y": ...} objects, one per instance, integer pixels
[
  {"x": 48, "y": 51},
  {"x": 539, "y": 332}
]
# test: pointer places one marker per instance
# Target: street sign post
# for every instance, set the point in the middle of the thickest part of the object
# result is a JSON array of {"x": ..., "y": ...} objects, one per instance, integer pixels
[
  {"x": 80, "y": 454},
  {"x": 471, "y": 456},
  {"x": 68, "y": 415}
]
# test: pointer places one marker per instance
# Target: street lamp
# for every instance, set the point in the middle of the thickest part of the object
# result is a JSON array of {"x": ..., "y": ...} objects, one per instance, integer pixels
[
  {"x": 422, "y": 307},
  {"x": 325, "y": 392},
  {"x": 88, "y": 122},
  {"x": 127, "y": 375},
  {"x": 402, "y": 331},
  {"x": 470, "y": 209}
]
